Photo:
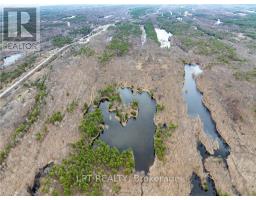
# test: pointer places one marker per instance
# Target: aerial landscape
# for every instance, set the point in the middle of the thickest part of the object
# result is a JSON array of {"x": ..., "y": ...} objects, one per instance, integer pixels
[{"x": 132, "y": 100}]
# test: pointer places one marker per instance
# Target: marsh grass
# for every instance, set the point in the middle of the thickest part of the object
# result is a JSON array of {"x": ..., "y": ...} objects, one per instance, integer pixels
[{"x": 161, "y": 134}]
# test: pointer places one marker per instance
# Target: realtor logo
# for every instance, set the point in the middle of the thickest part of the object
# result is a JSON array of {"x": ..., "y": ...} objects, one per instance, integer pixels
[{"x": 21, "y": 29}]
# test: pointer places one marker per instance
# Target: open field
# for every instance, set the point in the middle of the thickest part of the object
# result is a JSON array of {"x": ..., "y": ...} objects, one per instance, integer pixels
[{"x": 101, "y": 71}]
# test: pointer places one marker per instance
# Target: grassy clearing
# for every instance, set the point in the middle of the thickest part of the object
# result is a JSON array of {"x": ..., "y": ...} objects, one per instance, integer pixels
[
  {"x": 7, "y": 77},
  {"x": 150, "y": 31},
  {"x": 162, "y": 133},
  {"x": 22, "y": 129},
  {"x": 60, "y": 41}
]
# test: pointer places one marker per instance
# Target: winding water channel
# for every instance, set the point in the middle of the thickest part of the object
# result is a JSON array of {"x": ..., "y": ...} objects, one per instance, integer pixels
[{"x": 196, "y": 108}]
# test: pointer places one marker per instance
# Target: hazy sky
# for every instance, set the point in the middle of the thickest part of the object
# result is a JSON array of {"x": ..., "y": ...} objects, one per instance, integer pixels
[{"x": 58, "y": 2}]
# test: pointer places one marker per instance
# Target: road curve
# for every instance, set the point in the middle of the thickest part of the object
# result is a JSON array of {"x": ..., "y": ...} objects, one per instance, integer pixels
[{"x": 83, "y": 40}]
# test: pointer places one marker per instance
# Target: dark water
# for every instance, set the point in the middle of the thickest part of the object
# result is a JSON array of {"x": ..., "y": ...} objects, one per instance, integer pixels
[
  {"x": 138, "y": 134},
  {"x": 195, "y": 106},
  {"x": 198, "y": 190},
  {"x": 44, "y": 171}
]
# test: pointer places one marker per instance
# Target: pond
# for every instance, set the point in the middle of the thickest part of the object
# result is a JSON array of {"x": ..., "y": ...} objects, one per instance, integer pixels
[
  {"x": 9, "y": 60},
  {"x": 163, "y": 37},
  {"x": 137, "y": 134}
]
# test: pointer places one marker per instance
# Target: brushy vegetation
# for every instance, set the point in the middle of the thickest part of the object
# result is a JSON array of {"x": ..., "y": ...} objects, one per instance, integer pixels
[
  {"x": 246, "y": 76},
  {"x": 85, "y": 108},
  {"x": 159, "y": 107},
  {"x": 119, "y": 45},
  {"x": 110, "y": 92},
  {"x": 202, "y": 41},
  {"x": 105, "y": 57},
  {"x": 72, "y": 106},
  {"x": 211, "y": 47},
  {"x": 205, "y": 186},
  {"x": 88, "y": 161},
  {"x": 127, "y": 29},
  {"x": 82, "y": 31},
  {"x": 86, "y": 50},
  {"x": 139, "y": 11},
  {"x": 39, "y": 136},
  {"x": 22, "y": 129},
  {"x": 135, "y": 105},
  {"x": 41, "y": 94},
  {"x": 222, "y": 193},
  {"x": 91, "y": 125},
  {"x": 6, "y": 77},
  {"x": 223, "y": 52},
  {"x": 60, "y": 41},
  {"x": 214, "y": 33},
  {"x": 245, "y": 22},
  {"x": 90, "y": 158},
  {"x": 162, "y": 133},
  {"x": 150, "y": 31},
  {"x": 56, "y": 117},
  {"x": 171, "y": 25}
]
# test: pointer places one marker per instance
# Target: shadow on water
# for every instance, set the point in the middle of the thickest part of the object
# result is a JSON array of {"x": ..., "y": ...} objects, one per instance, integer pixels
[
  {"x": 196, "y": 108},
  {"x": 198, "y": 190},
  {"x": 138, "y": 134}
]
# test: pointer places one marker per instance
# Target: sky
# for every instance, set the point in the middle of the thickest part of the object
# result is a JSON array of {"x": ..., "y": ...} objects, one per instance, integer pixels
[{"x": 65, "y": 2}]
